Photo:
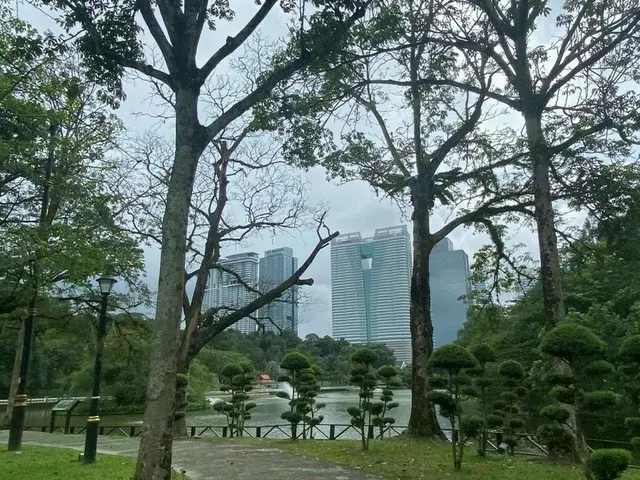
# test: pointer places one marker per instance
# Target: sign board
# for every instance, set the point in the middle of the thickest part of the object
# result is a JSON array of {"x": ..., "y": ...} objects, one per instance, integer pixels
[{"x": 65, "y": 405}]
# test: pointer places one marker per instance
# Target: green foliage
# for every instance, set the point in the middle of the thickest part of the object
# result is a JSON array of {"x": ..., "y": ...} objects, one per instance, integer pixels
[
  {"x": 559, "y": 378},
  {"x": 630, "y": 349},
  {"x": 452, "y": 358},
  {"x": 599, "y": 367},
  {"x": 471, "y": 425},
  {"x": 555, "y": 413},
  {"x": 558, "y": 440},
  {"x": 511, "y": 369},
  {"x": 632, "y": 424},
  {"x": 365, "y": 376},
  {"x": 303, "y": 407},
  {"x": 607, "y": 464},
  {"x": 599, "y": 400},
  {"x": 238, "y": 379},
  {"x": 562, "y": 394},
  {"x": 571, "y": 342},
  {"x": 484, "y": 353}
]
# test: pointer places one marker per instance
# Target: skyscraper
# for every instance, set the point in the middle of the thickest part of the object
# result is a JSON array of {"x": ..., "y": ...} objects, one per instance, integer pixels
[
  {"x": 449, "y": 280},
  {"x": 225, "y": 289},
  {"x": 276, "y": 266},
  {"x": 370, "y": 280}
]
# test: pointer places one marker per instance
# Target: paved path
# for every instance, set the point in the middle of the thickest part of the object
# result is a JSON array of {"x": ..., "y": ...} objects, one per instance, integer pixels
[{"x": 202, "y": 460}]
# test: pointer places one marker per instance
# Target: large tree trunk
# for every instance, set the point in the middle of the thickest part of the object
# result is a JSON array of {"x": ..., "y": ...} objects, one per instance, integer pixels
[
  {"x": 423, "y": 420},
  {"x": 15, "y": 373},
  {"x": 154, "y": 455},
  {"x": 551, "y": 273}
]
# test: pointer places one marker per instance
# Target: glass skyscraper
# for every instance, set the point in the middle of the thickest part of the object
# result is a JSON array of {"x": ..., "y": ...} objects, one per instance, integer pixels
[
  {"x": 225, "y": 290},
  {"x": 276, "y": 266},
  {"x": 449, "y": 280},
  {"x": 370, "y": 279}
]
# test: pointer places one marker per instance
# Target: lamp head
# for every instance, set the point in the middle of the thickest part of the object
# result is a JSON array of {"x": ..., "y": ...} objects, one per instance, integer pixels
[{"x": 106, "y": 284}]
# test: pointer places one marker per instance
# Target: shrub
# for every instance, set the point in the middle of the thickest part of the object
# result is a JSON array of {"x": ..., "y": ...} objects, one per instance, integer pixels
[
  {"x": 571, "y": 342},
  {"x": 630, "y": 349},
  {"x": 555, "y": 413},
  {"x": 453, "y": 359},
  {"x": 599, "y": 400},
  {"x": 599, "y": 367},
  {"x": 607, "y": 464}
]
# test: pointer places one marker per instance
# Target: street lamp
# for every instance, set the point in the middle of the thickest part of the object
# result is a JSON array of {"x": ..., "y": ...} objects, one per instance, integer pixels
[{"x": 93, "y": 422}]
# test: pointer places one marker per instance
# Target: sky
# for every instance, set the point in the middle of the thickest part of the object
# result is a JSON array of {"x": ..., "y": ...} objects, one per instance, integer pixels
[{"x": 352, "y": 207}]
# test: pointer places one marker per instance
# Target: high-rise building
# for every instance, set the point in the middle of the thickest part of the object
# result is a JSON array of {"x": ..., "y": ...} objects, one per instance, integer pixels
[
  {"x": 224, "y": 289},
  {"x": 449, "y": 281},
  {"x": 370, "y": 280},
  {"x": 276, "y": 266}
]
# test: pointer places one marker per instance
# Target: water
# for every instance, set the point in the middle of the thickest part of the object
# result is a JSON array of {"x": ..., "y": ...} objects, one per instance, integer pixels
[{"x": 267, "y": 412}]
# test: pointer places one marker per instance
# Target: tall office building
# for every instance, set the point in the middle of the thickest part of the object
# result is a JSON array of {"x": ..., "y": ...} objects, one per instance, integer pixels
[
  {"x": 275, "y": 267},
  {"x": 370, "y": 280},
  {"x": 449, "y": 281},
  {"x": 225, "y": 290}
]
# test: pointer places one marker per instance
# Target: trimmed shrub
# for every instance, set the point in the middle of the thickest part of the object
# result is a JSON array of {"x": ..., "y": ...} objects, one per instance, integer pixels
[
  {"x": 607, "y": 464},
  {"x": 571, "y": 342},
  {"x": 599, "y": 400},
  {"x": 555, "y": 413}
]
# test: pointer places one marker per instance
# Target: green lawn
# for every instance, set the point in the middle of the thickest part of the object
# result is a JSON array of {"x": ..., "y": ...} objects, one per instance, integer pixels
[
  {"x": 409, "y": 459},
  {"x": 46, "y": 463}
]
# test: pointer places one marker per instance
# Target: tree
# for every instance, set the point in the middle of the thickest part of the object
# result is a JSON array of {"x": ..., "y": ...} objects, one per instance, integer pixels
[
  {"x": 239, "y": 380},
  {"x": 578, "y": 347},
  {"x": 389, "y": 375},
  {"x": 57, "y": 214},
  {"x": 298, "y": 375},
  {"x": 562, "y": 130},
  {"x": 483, "y": 354},
  {"x": 363, "y": 375},
  {"x": 111, "y": 41},
  {"x": 439, "y": 156},
  {"x": 512, "y": 375},
  {"x": 453, "y": 359}
]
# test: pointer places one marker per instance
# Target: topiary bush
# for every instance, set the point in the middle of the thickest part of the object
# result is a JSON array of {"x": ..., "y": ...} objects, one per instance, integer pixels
[
  {"x": 238, "y": 380},
  {"x": 380, "y": 410},
  {"x": 607, "y": 464},
  {"x": 484, "y": 355},
  {"x": 363, "y": 375},
  {"x": 299, "y": 375},
  {"x": 453, "y": 359},
  {"x": 575, "y": 373},
  {"x": 511, "y": 376}
]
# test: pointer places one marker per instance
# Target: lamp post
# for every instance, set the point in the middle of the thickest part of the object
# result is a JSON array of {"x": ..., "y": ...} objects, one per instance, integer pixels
[{"x": 93, "y": 422}]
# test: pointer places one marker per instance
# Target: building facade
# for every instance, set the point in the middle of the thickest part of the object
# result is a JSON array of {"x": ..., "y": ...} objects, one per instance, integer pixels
[
  {"x": 449, "y": 281},
  {"x": 276, "y": 266},
  {"x": 224, "y": 289},
  {"x": 370, "y": 280}
]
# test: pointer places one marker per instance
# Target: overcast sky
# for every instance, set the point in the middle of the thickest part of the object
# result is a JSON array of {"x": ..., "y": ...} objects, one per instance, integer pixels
[{"x": 352, "y": 207}]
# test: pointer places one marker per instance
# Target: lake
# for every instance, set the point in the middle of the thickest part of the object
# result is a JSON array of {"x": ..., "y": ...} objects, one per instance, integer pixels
[{"x": 267, "y": 412}]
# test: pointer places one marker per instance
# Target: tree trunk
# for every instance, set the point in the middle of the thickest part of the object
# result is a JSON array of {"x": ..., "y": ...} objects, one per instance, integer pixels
[
  {"x": 423, "y": 420},
  {"x": 154, "y": 455},
  {"x": 15, "y": 373},
  {"x": 551, "y": 273}
]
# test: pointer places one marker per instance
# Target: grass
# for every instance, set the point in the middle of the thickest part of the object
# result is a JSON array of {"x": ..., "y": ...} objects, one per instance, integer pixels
[
  {"x": 409, "y": 459},
  {"x": 49, "y": 463}
]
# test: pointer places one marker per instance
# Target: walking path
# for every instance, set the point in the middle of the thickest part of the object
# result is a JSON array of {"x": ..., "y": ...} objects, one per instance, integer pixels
[{"x": 202, "y": 460}]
